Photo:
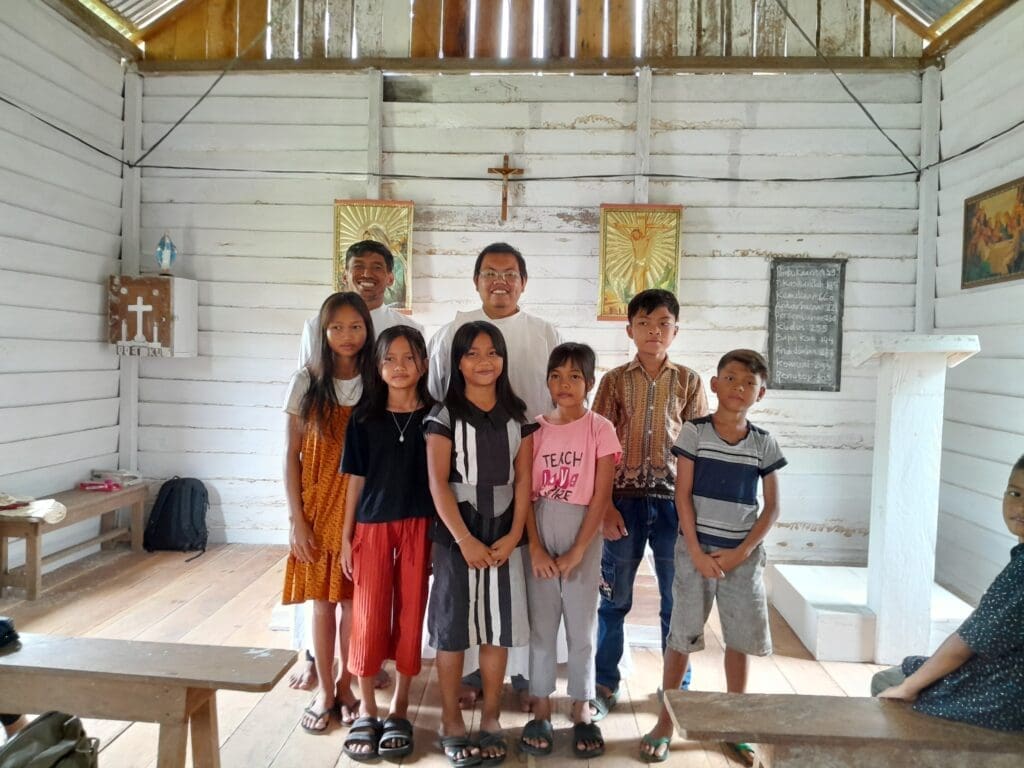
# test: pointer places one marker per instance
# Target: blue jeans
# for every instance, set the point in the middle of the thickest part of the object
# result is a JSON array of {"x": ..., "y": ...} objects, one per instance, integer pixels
[{"x": 648, "y": 520}]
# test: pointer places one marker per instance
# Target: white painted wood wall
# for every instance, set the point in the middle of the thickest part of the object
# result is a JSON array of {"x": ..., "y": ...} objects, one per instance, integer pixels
[
  {"x": 982, "y": 94},
  {"x": 260, "y": 244},
  {"x": 60, "y": 223}
]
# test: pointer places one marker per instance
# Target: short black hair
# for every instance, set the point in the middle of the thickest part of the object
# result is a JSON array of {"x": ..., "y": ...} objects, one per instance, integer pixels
[
  {"x": 580, "y": 355},
  {"x": 500, "y": 248},
  {"x": 1019, "y": 464},
  {"x": 649, "y": 300},
  {"x": 371, "y": 246},
  {"x": 753, "y": 361}
]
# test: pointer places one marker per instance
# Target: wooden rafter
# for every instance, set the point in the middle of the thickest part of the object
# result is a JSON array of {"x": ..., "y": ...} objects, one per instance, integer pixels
[
  {"x": 169, "y": 19},
  {"x": 982, "y": 13},
  {"x": 87, "y": 20}
]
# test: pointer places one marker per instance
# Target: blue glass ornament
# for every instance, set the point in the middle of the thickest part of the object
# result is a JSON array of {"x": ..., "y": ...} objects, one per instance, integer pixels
[{"x": 166, "y": 253}]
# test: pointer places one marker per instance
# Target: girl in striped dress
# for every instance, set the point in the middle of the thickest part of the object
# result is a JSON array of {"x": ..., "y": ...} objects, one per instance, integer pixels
[
  {"x": 318, "y": 406},
  {"x": 479, "y": 457}
]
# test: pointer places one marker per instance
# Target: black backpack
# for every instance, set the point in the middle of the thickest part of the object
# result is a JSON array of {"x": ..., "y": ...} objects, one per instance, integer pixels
[{"x": 178, "y": 519}]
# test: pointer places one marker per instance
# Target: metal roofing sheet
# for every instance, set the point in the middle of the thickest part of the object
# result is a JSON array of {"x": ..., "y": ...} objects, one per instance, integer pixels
[{"x": 142, "y": 13}]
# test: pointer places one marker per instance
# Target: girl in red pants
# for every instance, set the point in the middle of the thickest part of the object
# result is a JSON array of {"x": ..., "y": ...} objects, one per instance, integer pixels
[{"x": 385, "y": 548}]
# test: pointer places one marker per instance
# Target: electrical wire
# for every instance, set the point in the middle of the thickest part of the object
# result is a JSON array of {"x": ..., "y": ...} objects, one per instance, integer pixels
[
  {"x": 139, "y": 163},
  {"x": 846, "y": 88}
]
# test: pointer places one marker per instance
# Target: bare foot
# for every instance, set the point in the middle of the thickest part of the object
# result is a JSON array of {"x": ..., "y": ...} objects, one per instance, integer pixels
[
  {"x": 468, "y": 696},
  {"x": 383, "y": 679},
  {"x": 303, "y": 675},
  {"x": 317, "y": 716},
  {"x": 525, "y": 701}
]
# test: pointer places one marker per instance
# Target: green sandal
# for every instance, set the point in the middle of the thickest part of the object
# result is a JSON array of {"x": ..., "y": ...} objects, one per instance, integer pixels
[
  {"x": 743, "y": 751},
  {"x": 600, "y": 706},
  {"x": 655, "y": 744}
]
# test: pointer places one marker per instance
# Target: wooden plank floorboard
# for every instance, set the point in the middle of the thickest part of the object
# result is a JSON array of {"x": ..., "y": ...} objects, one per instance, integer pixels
[{"x": 226, "y": 597}]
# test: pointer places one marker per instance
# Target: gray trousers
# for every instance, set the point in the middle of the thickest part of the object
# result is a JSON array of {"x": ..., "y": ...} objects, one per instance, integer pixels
[
  {"x": 887, "y": 678},
  {"x": 573, "y": 600}
]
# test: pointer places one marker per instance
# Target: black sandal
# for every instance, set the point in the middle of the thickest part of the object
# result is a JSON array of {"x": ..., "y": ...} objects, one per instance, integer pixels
[
  {"x": 587, "y": 732},
  {"x": 494, "y": 739},
  {"x": 452, "y": 746},
  {"x": 365, "y": 730},
  {"x": 537, "y": 729},
  {"x": 396, "y": 729}
]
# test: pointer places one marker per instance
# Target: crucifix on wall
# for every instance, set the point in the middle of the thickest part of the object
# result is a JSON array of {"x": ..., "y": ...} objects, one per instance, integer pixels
[{"x": 505, "y": 170}]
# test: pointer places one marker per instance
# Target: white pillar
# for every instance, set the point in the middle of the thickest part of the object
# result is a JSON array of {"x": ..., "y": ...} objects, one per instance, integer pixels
[{"x": 905, "y": 484}]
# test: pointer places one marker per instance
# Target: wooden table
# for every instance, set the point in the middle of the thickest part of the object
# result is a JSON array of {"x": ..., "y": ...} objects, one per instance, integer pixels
[
  {"x": 81, "y": 505},
  {"x": 172, "y": 684},
  {"x": 793, "y": 731}
]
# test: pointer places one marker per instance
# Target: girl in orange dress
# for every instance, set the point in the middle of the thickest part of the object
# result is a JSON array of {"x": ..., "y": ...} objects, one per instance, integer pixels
[{"x": 318, "y": 406}]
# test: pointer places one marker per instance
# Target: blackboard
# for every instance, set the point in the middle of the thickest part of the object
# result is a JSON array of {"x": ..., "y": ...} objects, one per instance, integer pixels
[{"x": 805, "y": 323}]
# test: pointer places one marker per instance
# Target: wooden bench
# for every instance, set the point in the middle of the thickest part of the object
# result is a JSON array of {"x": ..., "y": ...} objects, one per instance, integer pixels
[
  {"x": 172, "y": 684},
  {"x": 81, "y": 505},
  {"x": 816, "y": 731}
]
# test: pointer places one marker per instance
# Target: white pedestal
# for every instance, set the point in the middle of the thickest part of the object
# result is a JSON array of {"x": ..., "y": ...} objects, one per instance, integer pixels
[
  {"x": 827, "y": 607},
  {"x": 905, "y": 484}
]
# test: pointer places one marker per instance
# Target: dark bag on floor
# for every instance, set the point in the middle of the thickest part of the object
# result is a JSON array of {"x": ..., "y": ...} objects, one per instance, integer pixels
[
  {"x": 178, "y": 519},
  {"x": 53, "y": 740}
]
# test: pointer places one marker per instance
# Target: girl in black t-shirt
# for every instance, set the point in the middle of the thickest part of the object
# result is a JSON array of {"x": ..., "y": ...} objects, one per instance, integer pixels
[{"x": 385, "y": 543}]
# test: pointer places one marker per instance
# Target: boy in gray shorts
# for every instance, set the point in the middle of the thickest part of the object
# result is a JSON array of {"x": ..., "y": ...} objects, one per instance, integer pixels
[{"x": 719, "y": 554}]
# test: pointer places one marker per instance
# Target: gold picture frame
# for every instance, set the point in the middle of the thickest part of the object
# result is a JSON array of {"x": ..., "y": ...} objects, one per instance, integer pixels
[
  {"x": 993, "y": 247},
  {"x": 640, "y": 246},
  {"x": 386, "y": 221}
]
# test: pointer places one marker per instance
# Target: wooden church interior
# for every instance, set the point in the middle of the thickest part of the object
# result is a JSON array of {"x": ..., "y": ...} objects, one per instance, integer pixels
[{"x": 848, "y": 131}]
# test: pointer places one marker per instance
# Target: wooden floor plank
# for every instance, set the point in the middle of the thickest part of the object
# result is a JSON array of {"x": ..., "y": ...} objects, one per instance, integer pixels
[{"x": 226, "y": 597}]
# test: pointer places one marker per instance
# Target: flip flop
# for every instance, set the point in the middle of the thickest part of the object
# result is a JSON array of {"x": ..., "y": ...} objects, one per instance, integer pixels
[
  {"x": 318, "y": 716},
  {"x": 743, "y": 751},
  {"x": 453, "y": 745},
  {"x": 396, "y": 728},
  {"x": 365, "y": 730},
  {"x": 537, "y": 729},
  {"x": 601, "y": 705},
  {"x": 587, "y": 732},
  {"x": 492, "y": 739},
  {"x": 655, "y": 745}
]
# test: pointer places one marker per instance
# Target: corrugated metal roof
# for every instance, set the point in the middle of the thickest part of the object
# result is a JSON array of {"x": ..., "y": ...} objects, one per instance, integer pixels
[
  {"x": 929, "y": 11},
  {"x": 142, "y": 13}
]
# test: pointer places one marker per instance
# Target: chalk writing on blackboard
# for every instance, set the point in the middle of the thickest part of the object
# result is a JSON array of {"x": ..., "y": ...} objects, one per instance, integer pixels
[{"x": 805, "y": 323}]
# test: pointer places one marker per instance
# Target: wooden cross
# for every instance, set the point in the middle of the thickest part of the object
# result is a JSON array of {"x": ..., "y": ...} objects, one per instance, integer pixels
[{"x": 505, "y": 172}]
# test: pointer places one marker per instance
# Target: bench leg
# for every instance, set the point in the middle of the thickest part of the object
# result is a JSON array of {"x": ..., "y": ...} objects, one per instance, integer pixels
[
  {"x": 173, "y": 743},
  {"x": 4, "y": 565},
  {"x": 137, "y": 513},
  {"x": 205, "y": 740},
  {"x": 33, "y": 565},
  {"x": 108, "y": 522}
]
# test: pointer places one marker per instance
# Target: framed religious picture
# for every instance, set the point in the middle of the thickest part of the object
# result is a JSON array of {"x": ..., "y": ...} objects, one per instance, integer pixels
[
  {"x": 386, "y": 221},
  {"x": 639, "y": 250},
  {"x": 994, "y": 236}
]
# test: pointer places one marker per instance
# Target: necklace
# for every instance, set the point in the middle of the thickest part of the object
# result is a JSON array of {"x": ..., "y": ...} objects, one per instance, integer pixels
[
  {"x": 401, "y": 430},
  {"x": 348, "y": 393}
]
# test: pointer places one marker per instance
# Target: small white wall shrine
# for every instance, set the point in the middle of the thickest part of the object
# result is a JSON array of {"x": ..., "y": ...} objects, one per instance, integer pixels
[{"x": 153, "y": 316}]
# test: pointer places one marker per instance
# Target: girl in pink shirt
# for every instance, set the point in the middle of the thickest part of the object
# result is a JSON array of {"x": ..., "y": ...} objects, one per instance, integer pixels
[{"x": 574, "y": 457}]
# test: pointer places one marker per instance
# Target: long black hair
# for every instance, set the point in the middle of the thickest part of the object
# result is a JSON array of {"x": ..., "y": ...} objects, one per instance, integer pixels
[
  {"x": 375, "y": 389},
  {"x": 455, "y": 398},
  {"x": 315, "y": 406}
]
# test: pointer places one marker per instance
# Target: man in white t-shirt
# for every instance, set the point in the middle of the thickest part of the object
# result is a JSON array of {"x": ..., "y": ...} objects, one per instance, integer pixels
[
  {"x": 500, "y": 278},
  {"x": 370, "y": 271}
]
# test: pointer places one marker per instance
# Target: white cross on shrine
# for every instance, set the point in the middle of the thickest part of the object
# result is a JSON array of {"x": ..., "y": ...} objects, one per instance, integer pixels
[{"x": 139, "y": 309}]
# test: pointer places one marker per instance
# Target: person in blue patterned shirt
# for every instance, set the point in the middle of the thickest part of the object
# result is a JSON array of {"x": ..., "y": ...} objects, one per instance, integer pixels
[{"x": 977, "y": 675}]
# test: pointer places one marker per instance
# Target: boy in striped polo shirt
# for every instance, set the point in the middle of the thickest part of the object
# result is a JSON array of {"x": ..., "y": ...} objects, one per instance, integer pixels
[{"x": 719, "y": 554}]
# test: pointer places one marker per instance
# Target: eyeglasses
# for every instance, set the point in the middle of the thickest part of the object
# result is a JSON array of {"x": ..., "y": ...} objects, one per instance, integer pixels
[{"x": 509, "y": 275}]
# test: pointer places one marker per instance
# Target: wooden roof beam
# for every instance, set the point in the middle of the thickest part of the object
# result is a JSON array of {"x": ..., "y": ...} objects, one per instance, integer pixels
[
  {"x": 617, "y": 66},
  {"x": 95, "y": 27},
  {"x": 960, "y": 30}
]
